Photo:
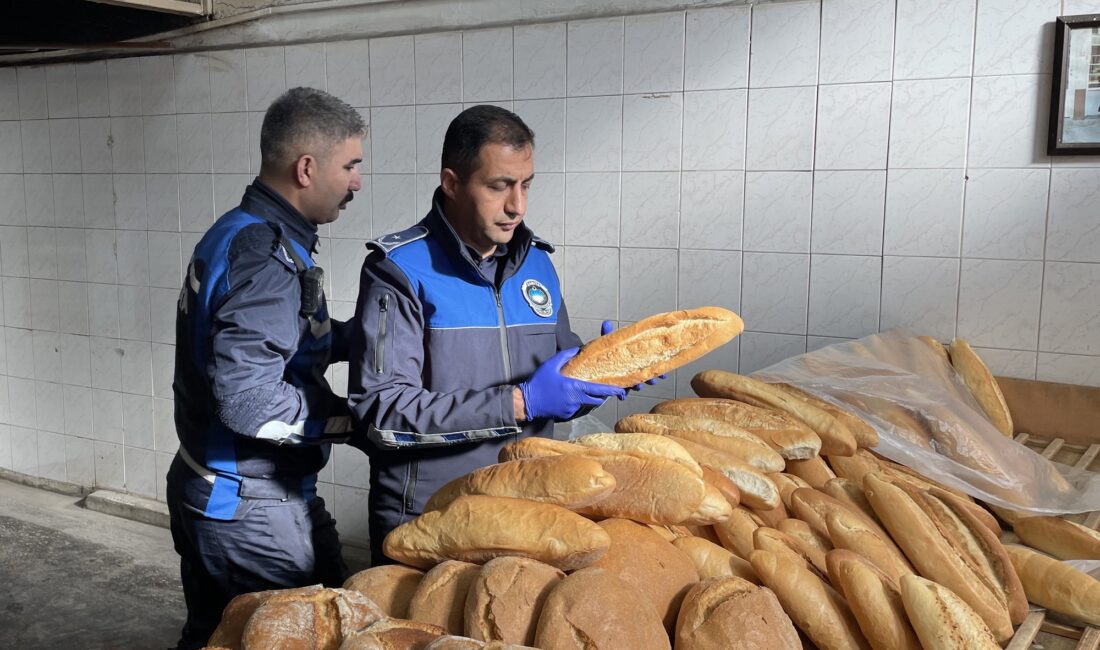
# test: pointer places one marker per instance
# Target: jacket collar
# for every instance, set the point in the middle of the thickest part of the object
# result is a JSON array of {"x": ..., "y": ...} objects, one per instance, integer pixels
[
  {"x": 262, "y": 201},
  {"x": 437, "y": 223}
]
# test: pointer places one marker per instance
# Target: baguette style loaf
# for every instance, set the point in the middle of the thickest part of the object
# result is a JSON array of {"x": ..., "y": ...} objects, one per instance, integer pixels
[
  {"x": 875, "y": 600},
  {"x": 864, "y": 433},
  {"x": 942, "y": 620},
  {"x": 567, "y": 481},
  {"x": 713, "y": 561},
  {"x": 653, "y": 346},
  {"x": 712, "y": 433},
  {"x": 983, "y": 386},
  {"x": 813, "y": 471},
  {"x": 756, "y": 489},
  {"x": 847, "y": 533},
  {"x": 1057, "y": 586},
  {"x": 784, "y": 433},
  {"x": 1061, "y": 538},
  {"x": 478, "y": 528}
]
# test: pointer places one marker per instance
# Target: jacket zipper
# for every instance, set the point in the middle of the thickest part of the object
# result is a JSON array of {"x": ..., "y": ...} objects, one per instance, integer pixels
[
  {"x": 503, "y": 335},
  {"x": 380, "y": 346},
  {"x": 410, "y": 487}
]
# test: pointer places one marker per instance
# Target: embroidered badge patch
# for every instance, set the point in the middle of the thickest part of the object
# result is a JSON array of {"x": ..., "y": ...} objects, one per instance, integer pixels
[{"x": 538, "y": 298}]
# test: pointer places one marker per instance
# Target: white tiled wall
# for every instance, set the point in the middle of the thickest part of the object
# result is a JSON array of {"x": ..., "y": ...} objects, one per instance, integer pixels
[{"x": 866, "y": 164}]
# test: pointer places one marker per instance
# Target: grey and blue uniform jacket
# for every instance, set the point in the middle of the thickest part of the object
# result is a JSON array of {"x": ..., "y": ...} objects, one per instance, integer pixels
[
  {"x": 437, "y": 348},
  {"x": 253, "y": 410}
]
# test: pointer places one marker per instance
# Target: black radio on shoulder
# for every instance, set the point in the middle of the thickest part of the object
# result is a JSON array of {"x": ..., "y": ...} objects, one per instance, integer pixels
[{"x": 313, "y": 286}]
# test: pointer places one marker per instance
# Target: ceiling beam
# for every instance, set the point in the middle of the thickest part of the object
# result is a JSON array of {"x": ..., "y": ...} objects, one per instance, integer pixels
[{"x": 202, "y": 8}]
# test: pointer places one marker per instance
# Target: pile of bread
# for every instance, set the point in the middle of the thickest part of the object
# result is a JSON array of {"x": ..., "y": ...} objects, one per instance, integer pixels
[{"x": 753, "y": 516}]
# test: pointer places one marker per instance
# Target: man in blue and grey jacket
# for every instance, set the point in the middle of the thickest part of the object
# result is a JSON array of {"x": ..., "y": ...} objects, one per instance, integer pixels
[
  {"x": 254, "y": 413},
  {"x": 460, "y": 331}
]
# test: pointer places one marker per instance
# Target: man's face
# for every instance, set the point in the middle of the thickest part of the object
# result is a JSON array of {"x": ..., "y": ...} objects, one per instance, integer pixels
[
  {"x": 486, "y": 208},
  {"x": 336, "y": 181}
]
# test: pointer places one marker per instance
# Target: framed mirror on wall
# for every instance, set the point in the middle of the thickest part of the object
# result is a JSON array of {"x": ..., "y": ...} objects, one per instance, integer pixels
[{"x": 1075, "y": 87}]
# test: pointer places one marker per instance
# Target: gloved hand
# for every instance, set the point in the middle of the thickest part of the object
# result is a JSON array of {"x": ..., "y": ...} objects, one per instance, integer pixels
[
  {"x": 549, "y": 394},
  {"x": 606, "y": 328}
]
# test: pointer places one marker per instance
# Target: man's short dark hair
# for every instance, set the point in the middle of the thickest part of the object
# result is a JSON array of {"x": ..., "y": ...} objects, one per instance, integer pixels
[
  {"x": 476, "y": 127},
  {"x": 306, "y": 120}
]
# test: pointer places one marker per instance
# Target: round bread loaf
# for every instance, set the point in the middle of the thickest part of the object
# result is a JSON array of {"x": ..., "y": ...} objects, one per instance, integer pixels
[
  {"x": 390, "y": 586},
  {"x": 236, "y": 614},
  {"x": 393, "y": 634},
  {"x": 506, "y": 597},
  {"x": 659, "y": 571},
  {"x": 732, "y": 614},
  {"x": 592, "y": 609},
  {"x": 440, "y": 599},
  {"x": 319, "y": 619}
]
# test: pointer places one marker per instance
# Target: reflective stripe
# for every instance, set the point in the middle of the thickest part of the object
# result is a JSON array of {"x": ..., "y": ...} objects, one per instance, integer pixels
[
  {"x": 410, "y": 439},
  {"x": 206, "y": 474}
]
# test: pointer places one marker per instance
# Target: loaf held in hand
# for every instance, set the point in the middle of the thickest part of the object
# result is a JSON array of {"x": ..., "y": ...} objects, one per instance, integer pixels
[
  {"x": 478, "y": 528},
  {"x": 653, "y": 346}
]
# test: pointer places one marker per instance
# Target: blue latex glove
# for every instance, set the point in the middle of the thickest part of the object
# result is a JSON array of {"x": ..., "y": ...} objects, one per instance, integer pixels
[
  {"x": 548, "y": 394},
  {"x": 606, "y": 328}
]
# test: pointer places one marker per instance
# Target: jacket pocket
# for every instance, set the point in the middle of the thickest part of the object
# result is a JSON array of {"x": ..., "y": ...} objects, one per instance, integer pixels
[{"x": 384, "y": 306}]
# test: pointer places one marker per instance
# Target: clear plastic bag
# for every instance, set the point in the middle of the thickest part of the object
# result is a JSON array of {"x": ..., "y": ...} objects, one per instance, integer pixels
[{"x": 927, "y": 420}]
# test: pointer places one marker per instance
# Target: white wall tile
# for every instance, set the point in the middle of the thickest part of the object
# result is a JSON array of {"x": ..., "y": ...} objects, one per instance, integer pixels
[
  {"x": 65, "y": 145},
  {"x": 99, "y": 208},
  {"x": 591, "y": 282},
  {"x": 923, "y": 212},
  {"x": 347, "y": 261},
  {"x": 392, "y": 71},
  {"x": 760, "y": 350},
  {"x": 17, "y": 305},
  {"x": 1009, "y": 363},
  {"x": 72, "y": 256},
  {"x": 1069, "y": 369},
  {"x": 844, "y": 295},
  {"x": 106, "y": 363},
  {"x": 848, "y": 212},
  {"x": 32, "y": 93},
  {"x": 36, "y": 146},
  {"x": 1005, "y": 214},
  {"x": 78, "y": 414},
  {"x": 1073, "y": 234},
  {"x": 20, "y": 352},
  {"x": 51, "y": 455},
  {"x": 68, "y": 200},
  {"x": 539, "y": 61},
  {"x": 593, "y": 133},
  {"x": 857, "y": 40},
  {"x": 853, "y": 126},
  {"x": 134, "y": 303},
  {"x": 191, "y": 75},
  {"x": 95, "y": 144},
  {"x": 39, "y": 199},
  {"x": 774, "y": 292},
  {"x": 305, "y": 65},
  {"x": 595, "y": 60},
  {"x": 546, "y": 207},
  {"x": 1014, "y": 37},
  {"x": 777, "y": 211},
  {"x": 265, "y": 74},
  {"x": 162, "y": 315},
  {"x": 127, "y": 145},
  {"x": 137, "y": 421},
  {"x": 196, "y": 202},
  {"x": 11, "y": 148},
  {"x": 162, "y": 202},
  {"x": 393, "y": 140},
  {"x": 652, "y": 127},
  {"x": 354, "y": 221},
  {"x": 1009, "y": 134},
  {"x": 921, "y": 294},
  {"x": 438, "y": 67},
  {"x": 348, "y": 69},
  {"x": 24, "y": 450},
  {"x": 165, "y": 440},
  {"x": 61, "y": 94},
  {"x": 132, "y": 257},
  {"x": 110, "y": 472},
  {"x": 546, "y": 117},
  {"x": 393, "y": 203},
  {"x": 255, "y": 125},
  {"x": 650, "y": 209},
  {"x": 103, "y": 310},
  {"x": 76, "y": 359},
  {"x": 654, "y": 53},
  {"x": 711, "y": 209},
  {"x": 21, "y": 398},
  {"x": 431, "y": 123},
  {"x": 933, "y": 38},
  {"x": 999, "y": 303},
  {"x": 716, "y": 51},
  {"x": 487, "y": 64},
  {"x": 91, "y": 89},
  {"x": 9, "y": 94},
  {"x": 14, "y": 211},
  {"x": 5, "y": 441},
  {"x": 1077, "y": 7},
  {"x": 51, "y": 415},
  {"x": 158, "y": 86},
  {"x": 102, "y": 260},
  {"x": 164, "y": 361},
  {"x": 709, "y": 278},
  {"x": 781, "y": 128},
  {"x": 141, "y": 473},
  {"x": 592, "y": 209},
  {"x": 124, "y": 86},
  {"x": 74, "y": 313},
  {"x": 195, "y": 150},
  {"x": 165, "y": 267},
  {"x": 79, "y": 458},
  {"x": 928, "y": 123},
  {"x": 41, "y": 253},
  {"x": 228, "y": 82},
  {"x": 14, "y": 251},
  {"x": 785, "y": 39},
  {"x": 1071, "y": 308},
  {"x": 230, "y": 142},
  {"x": 715, "y": 124},
  {"x": 107, "y": 416},
  {"x": 724, "y": 358},
  {"x": 45, "y": 308}
]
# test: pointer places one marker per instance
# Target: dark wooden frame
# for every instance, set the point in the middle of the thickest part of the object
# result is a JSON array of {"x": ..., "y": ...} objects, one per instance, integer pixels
[{"x": 1055, "y": 145}]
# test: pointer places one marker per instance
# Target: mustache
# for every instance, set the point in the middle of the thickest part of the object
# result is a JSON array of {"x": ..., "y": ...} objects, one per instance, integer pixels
[{"x": 350, "y": 196}]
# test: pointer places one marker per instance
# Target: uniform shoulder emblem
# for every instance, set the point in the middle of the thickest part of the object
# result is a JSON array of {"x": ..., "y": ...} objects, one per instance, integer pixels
[
  {"x": 387, "y": 243},
  {"x": 541, "y": 243}
]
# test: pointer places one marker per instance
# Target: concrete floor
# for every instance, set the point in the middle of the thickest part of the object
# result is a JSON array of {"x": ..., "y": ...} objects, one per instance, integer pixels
[{"x": 74, "y": 578}]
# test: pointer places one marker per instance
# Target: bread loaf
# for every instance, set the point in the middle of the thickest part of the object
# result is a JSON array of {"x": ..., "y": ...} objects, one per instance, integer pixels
[
  {"x": 983, "y": 386},
  {"x": 592, "y": 609},
  {"x": 1057, "y": 586},
  {"x": 713, "y": 561},
  {"x": 773, "y": 517},
  {"x": 440, "y": 599},
  {"x": 1061, "y": 538},
  {"x": 732, "y": 614},
  {"x": 941, "y": 619},
  {"x": 780, "y": 543},
  {"x": 712, "y": 433},
  {"x": 393, "y": 634},
  {"x": 981, "y": 514},
  {"x": 659, "y": 571},
  {"x": 653, "y": 346},
  {"x": 736, "y": 532},
  {"x": 813, "y": 606},
  {"x": 569, "y": 481},
  {"x": 641, "y": 443},
  {"x": 390, "y": 586},
  {"x": 241, "y": 608},
  {"x": 836, "y": 439},
  {"x": 451, "y": 642},
  {"x": 478, "y": 528},
  {"x": 933, "y": 555},
  {"x": 317, "y": 619},
  {"x": 719, "y": 481},
  {"x": 755, "y": 488},
  {"x": 936, "y": 347},
  {"x": 813, "y": 471},
  {"x": 850, "y": 534},
  {"x": 864, "y": 433},
  {"x": 851, "y": 494},
  {"x": 813, "y": 507},
  {"x": 787, "y": 484},
  {"x": 506, "y": 598},
  {"x": 802, "y": 531},
  {"x": 875, "y": 601},
  {"x": 714, "y": 508},
  {"x": 784, "y": 433}
]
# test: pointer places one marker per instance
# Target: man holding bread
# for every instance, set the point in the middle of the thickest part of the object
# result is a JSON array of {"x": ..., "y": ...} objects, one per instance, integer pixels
[
  {"x": 460, "y": 331},
  {"x": 254, "y": 414}
]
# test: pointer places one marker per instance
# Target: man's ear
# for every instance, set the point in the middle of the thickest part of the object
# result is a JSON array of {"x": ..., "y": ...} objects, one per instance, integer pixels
[
  {"x": 448, "y": 180},
  {"x": 305, "y": 170}
]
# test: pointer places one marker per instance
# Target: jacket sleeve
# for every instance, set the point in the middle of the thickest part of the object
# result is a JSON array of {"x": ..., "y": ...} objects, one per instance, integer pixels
[
  {"x": 255, "y": 332},
  {"x": 386, "y": 393},
  {"x": 567, "y": 338}
]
